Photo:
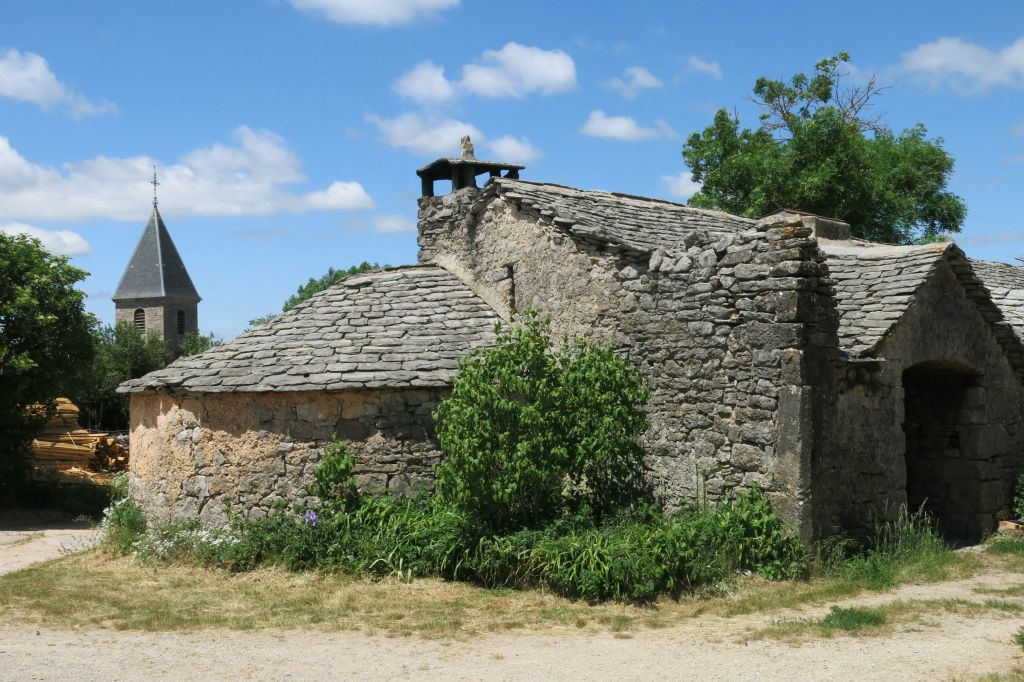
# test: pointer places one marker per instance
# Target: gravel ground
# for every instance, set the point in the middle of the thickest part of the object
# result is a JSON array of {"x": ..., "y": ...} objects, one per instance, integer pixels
[{"x": 950, "y": 646}]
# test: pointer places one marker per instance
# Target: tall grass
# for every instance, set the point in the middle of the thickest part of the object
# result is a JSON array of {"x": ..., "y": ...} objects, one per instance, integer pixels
[{"x": 906, "y": 548}]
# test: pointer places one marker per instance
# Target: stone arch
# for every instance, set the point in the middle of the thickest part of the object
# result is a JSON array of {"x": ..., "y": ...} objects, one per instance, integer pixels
[
  {"x": 140, "y": 320},
  {"x": 944, "y": 405}
]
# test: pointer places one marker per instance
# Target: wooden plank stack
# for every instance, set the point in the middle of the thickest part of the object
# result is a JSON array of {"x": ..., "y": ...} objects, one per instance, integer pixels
[{"x": 63, "y": 444}]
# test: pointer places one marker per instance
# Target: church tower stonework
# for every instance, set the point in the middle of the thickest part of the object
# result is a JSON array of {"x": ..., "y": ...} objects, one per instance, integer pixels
[{"x": 156, "y": 293}]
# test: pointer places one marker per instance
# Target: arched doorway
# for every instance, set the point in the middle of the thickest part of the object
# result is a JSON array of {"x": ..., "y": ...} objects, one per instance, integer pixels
[{"x": 943, "y": 401}]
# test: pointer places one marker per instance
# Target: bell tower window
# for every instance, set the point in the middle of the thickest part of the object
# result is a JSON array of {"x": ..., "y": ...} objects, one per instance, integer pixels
[
  {"x": 181, "y": 322},
  {"x": 140, "y": 320}
]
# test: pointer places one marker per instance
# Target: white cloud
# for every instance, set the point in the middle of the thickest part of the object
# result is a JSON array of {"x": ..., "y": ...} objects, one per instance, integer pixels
[
  {"x": 250, "y": 176},
  {"x": 968, "y": 68},
  {"x": 375, "y": 12},
  {"x": 698, "y": 65},
  {"x": 423, "y": 135},
  {"x": 425, "y": 82},
  {"x": 516, "y": 70},
  {"x": 635, "y": 79},
  {"x": 59, "y": 242},
  {"x": 680, "y": 186},
  {"x": 390, "y": 223},
  {"x": 513, "y": 150},
  {"x": 26, "y": 76},
  {"x": 623, "y": 128}
]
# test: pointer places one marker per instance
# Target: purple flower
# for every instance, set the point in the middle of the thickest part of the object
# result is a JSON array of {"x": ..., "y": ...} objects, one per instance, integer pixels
[{"x": 310, "y": 517}]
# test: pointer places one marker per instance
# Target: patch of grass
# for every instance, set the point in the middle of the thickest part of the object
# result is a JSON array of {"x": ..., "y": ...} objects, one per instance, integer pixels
[
  {"x": 871, "y": 621},
  {"x": 1003, "y": 605},
  {"x": 1003, "y": 544},
  {"x": 1018, "y": 639},
  {"x": 852, "y": 619},
  {"x": 97, "y": 590}
]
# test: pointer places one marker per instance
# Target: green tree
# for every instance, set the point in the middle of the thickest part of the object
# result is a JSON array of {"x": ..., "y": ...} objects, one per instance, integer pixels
[
  {"x": 532, "y": 431},
  {"x": 817, "y": 149},
  {"x": 122, "y": 352},
  {"x": 195, "y": 343},
  {"x": 44, "y": 343},
  {"x": 314, "y": 286}
]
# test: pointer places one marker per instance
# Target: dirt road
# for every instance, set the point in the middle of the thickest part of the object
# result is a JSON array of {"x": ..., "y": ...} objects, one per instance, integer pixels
[{"x": 943, "y": 646}]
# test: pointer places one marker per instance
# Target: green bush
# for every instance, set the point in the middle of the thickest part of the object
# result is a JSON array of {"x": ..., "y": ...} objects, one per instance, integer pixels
[
  {"x": 123, "y": 521},
  {"x": 532, "y": 431},
  {"x": 632, "y": 558}
]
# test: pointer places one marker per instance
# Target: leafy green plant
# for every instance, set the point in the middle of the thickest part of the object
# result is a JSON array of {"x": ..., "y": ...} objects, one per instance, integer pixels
[
  {"x": 532, "y": 431},
  {"x": 123, "y": 521},
  {"x": 333, "y": 481}
]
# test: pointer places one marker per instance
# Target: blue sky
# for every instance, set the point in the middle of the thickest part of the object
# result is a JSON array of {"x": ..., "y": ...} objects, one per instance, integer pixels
[{"x": 287, "y": 132}]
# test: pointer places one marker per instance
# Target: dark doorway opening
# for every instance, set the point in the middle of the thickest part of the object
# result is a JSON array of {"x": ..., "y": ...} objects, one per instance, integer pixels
[{"x": 941, "y": 401}]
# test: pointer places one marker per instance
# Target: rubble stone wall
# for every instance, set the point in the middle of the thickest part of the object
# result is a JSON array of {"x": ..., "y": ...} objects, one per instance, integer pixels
[
  {"x": 734, "y": 331},
  {"x": 865, "y": 470},
  {"x": 193, "y": 456}
]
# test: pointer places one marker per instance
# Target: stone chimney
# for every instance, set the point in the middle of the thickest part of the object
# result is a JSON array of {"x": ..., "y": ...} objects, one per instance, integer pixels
[
  {"x": 463, "y": 171},
  {"x": 827, "y": 229}
]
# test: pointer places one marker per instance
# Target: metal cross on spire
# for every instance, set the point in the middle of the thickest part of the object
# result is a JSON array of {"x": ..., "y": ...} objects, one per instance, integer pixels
[{"x": 155, "y": 185}]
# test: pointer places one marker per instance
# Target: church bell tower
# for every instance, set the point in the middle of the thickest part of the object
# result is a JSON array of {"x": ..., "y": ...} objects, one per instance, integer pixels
[{"x": 156, "y": 293}]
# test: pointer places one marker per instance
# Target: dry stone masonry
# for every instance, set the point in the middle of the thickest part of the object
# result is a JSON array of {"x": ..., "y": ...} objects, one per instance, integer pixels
[{"x": 843, "y": 377}]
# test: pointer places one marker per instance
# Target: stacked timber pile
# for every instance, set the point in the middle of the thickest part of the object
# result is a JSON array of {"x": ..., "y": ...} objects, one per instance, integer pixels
[{"x": 64, "y": 445}]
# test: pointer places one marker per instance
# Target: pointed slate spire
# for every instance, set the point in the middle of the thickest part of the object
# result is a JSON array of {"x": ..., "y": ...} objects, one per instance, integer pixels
[{"x": 156, "y": 269}]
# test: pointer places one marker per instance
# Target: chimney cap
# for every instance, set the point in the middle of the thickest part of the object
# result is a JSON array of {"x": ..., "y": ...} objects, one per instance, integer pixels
[{"x": 462, "y": 172}]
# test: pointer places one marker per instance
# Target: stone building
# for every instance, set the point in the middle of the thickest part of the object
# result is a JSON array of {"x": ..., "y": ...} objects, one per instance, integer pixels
[
  {"x": 844, "y": 378},
  {"x": 156, "y": 293}
]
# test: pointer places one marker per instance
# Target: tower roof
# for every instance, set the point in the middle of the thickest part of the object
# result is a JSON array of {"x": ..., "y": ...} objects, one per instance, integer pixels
[{"x": 156, "y": 269}]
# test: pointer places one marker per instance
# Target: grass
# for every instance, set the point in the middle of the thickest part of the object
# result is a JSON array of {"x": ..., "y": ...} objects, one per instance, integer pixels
[
  {"x": 873, "y": 621},
  {"x": 99, "y": 590}
]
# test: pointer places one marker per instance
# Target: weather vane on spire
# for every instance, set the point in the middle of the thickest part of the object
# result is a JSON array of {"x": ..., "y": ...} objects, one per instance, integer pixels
[{"x": 155, "y": 185}]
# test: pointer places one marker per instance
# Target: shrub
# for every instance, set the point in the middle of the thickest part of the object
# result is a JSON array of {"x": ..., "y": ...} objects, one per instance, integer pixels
[
  {"x": 532, "y": 431},
  {"x": 123, "y": 522}
]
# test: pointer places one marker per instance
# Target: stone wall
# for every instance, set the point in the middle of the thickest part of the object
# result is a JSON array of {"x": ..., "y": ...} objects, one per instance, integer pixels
[
  {"x": 865, "y": 473},
  {"x": 734, "y": 331},
  {"x": 161, "y": 316},
  {"x": 195, "y": 455}
]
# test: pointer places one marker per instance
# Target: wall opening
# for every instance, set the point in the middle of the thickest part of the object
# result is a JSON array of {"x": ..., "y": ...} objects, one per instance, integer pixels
[
  {"x": 140, "y": 320},
  {"x": 942, "y": 402},
  {"x": 180, "y": 322}
]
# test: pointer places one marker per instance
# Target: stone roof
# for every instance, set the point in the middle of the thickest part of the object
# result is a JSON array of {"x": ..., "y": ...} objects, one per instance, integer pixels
[
  {"x": 875, "y": 284},
  {"x": 1006, "y": 285},
  {"x": 608, "y": 218},
  {"x": 399, "y": 327},
  {"x": 156, "y": 269}
]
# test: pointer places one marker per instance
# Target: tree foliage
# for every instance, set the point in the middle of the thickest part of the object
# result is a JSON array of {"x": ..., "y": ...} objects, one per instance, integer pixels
[
  {"x": 817, "y": 149},
  {"x": 532, "y": 431},
  {"x": 44, "y": 342},
  {"x": 314, "y": 286},
  {"x": 195, "y": 343},
  {"x": 122, "y": 352},
  {"x": 317, "y": 284}
]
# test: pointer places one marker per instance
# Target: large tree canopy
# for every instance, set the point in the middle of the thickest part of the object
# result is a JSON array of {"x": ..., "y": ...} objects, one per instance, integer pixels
[
  {"x": 44, "y": 341},
  {"x": 817, "y": 150}
]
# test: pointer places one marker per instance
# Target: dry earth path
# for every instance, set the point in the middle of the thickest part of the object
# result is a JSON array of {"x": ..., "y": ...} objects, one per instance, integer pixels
[
  {"x": 25, "y": 543},
  {"x": 947, "y": 646}
]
